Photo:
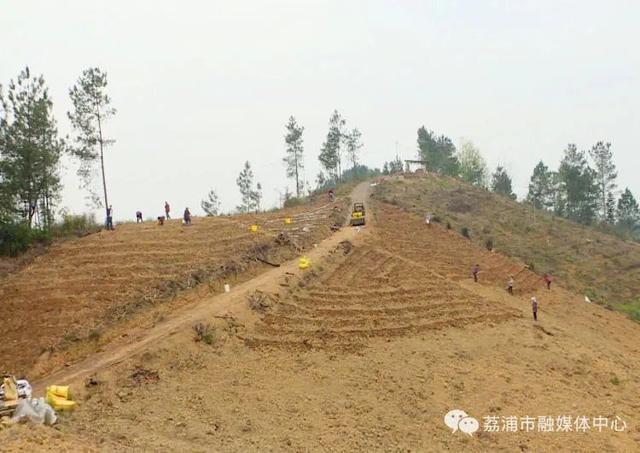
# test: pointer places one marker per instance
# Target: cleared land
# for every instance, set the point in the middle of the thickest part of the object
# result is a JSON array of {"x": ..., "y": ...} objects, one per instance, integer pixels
[
  {"x": 366, "y": 351},
  {"x": 69, "y": 301}
]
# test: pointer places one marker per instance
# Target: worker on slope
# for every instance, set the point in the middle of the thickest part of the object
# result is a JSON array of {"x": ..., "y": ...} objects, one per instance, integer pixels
[
  {"x": 547, "y": 280},
  {"x": 475, "y": 270},
  {"x": 510, "y": 285},
  {"x": 534, "y": 308},
  {"x": 167, "y": 210},
  {"x": 110, "y": 217},
  {"x": 187, "y": 216},
  {"x": 138, "y": 216}
]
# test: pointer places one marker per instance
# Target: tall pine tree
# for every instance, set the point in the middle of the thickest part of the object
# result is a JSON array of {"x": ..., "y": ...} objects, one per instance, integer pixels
[
  {"x": 250, "y": 196},
  {"x": 294, "y": 152},
  {"x": 605, "y": 176},
  {"x": 577, "y": 186},
  {"x": 30, "y": 152},
  {"x": 541, "y": 193},
  {"x": 330, "y": 152},
  {"x": 91, "y": 109},
  {"x": 353, "y": 144}
]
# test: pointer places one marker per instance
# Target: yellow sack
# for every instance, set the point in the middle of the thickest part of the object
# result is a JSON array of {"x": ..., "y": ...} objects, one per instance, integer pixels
[
  {"x": 253, "y": 228},
  {"x": 60, "y": 390},
  {"x": 304, "y": 263},
  {"x": 10, "y": 389},
  {"x": 287, "y": 221},
  {"x": 59, "y": 403}
]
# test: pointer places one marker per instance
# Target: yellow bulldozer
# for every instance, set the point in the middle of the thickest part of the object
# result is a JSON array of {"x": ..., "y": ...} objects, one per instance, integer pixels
[{"x": 357, "y": 215}]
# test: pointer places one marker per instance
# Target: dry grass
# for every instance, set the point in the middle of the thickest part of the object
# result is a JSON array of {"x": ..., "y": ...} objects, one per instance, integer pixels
[{"x": 587, "y": 261}]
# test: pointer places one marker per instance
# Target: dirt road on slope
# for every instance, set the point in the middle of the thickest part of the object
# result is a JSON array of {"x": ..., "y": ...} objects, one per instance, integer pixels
[{"x": 215, "y": 305}]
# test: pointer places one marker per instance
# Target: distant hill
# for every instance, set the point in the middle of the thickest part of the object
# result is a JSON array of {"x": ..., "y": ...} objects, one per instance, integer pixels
[{"x": 582, "y": 259}]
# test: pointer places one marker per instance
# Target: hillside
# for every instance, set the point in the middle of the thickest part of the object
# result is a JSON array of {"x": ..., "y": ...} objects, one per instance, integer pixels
[
  {"x": 365, "y": 351},
  {"x": 80, "y": 294},
  {"x": 582, "y": 259}
]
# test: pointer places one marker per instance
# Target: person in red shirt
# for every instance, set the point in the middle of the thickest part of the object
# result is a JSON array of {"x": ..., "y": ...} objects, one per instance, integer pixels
[
  {"x": 547, "y": 280},
  {"x": 167, "y": 210}
]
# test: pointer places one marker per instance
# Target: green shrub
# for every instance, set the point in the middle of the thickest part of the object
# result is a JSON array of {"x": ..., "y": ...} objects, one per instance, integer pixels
[
  {"x": 75, "y": 225},
  {"x": 205, "y": 333},
  {"x": 294, "y": 201},
  {"x": 16, "y": 237},
  {"x": 489, "y": 244},
  {"x": 465, "y": 232}
]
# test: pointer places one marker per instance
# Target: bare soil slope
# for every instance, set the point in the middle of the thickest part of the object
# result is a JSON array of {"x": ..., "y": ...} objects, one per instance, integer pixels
[
  {"x": 71, "y": 296},
  {"x": 367, "y": 351}
]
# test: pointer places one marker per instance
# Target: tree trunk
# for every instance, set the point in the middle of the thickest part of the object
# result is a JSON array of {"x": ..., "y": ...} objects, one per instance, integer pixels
[
  {"x": 297, "y": 178},
  {"x": 104, "y": 179}
]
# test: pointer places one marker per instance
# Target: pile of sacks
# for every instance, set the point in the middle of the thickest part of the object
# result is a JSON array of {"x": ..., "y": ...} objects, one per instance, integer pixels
[{"x": 17, "y": 403}]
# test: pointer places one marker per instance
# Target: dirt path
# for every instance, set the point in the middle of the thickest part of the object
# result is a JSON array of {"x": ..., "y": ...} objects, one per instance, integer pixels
[{"x": 215, "y": 305}]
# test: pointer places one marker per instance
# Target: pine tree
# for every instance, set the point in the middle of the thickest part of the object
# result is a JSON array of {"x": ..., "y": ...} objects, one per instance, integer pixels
[
  {"x": 438, "y": 152},
  {"x": 250, "y": 197},
  {"x": 295, "y": 149},
  {"x": 577, "y": 187},
  {"x": 628, "y": 212},
  {"x": 256, "y": 197},
  {"x": 91, "y": 109},
  {"x": 211, "y": 205},
  {"x": 30, "y": 152},
  {"x": 605, "y": 176},
  {"x": 541, "y": 193},
  {"x": 501, "y": 183},
  {"x": 330, "y": 152},
  {"x": 353, "y": 145}
]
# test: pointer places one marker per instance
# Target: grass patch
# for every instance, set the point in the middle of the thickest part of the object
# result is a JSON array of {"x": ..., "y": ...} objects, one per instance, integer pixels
[{"x": 205, "y": 333}]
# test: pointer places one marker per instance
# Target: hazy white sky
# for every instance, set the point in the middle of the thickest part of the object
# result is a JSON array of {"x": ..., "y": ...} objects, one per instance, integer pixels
[{"x": 200, "y": 87}]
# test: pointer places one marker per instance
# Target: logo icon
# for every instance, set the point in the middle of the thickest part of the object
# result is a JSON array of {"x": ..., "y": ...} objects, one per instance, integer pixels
[{"x": 457, "y": 419}]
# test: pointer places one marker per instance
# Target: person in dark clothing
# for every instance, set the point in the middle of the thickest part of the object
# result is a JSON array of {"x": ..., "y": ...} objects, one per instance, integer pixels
[
  {"x": 475, "y": 271},
  {"x": 510, "y": 285},
  {"x": 167, "y": 210},
  {"x": 138, "y": 216},
  {"x": 534, "y": 308},
  {"x": 110, "y": 218},
  {"x": 547, "y": 280},
  {"x": 187, "y": 217}
]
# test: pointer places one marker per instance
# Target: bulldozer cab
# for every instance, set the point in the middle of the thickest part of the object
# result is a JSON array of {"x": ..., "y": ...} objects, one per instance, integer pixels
[{"x": 357, "y": 215}]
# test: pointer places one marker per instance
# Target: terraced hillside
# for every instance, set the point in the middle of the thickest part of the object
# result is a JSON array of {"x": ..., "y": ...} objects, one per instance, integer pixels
[
  {"x": 582, "y": 259},
  {"x": 70, "y": 296},
  {"x": 365, "y": 351},
  {"x": 371, "y": 293},
  {"x": 442, "y": 251}
]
